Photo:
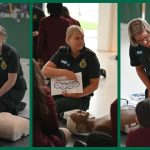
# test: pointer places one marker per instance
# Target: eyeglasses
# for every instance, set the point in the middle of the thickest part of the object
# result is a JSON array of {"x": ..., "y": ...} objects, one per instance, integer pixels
[{"x": 145, "y": 40}]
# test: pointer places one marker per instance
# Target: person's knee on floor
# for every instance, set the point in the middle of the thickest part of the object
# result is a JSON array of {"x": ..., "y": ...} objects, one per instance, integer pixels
[
  {"x": 66, "y": 104},
  {"x": 3, "y": 107},
  {"x": 20, "y": 107}
]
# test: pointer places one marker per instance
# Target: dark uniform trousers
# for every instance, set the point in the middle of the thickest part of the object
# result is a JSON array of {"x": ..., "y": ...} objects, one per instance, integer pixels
[
  {"x": 11, "y": 100},
  {"x": 146, "y": 91},
  {"x": 64, "y": 104}
]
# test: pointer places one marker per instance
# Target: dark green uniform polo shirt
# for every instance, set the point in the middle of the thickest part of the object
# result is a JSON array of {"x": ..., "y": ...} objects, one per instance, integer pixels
[
  {"x": 87, "y": 63},
  {"x": 9, "y": 63},
  {"x": 140, "y": 56}
]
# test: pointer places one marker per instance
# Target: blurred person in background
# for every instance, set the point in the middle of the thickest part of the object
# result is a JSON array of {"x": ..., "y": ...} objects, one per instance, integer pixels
[{"x": 51, "y": 33}]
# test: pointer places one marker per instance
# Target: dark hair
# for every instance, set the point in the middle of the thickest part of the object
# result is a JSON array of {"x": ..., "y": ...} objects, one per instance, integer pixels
[
  {"x": 65, "y": 12},
  {"x": 143, "y": 112},
  {"x": 55, "y": 9},
  {"x": 40, "y": 108}
]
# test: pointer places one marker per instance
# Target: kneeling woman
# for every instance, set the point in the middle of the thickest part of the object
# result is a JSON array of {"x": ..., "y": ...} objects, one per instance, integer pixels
[
  {"x": 12, "y": 82},
  {"x": 67, "y": 61}
]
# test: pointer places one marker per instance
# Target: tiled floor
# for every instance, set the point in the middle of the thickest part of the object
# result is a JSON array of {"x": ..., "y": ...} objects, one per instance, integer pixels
[{"x": 107, "y": 91}]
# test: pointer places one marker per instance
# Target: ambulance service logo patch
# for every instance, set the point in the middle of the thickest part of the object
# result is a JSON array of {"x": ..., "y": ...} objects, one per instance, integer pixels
[
  {"x": 3, "y": 65},
  {"x": 83, "y": 63},
  {"x": 35, "y": 17}
]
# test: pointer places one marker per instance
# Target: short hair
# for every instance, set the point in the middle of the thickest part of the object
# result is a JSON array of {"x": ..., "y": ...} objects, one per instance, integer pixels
[
  {"x": 143, "y": 112},
  {"x": 71, "y": 30},
  {"x": 65, "y": 12},
  {"x": 55, "y": 9},
  {"x": 135, "y": 27},
  {"x": 3, "y": 32}
]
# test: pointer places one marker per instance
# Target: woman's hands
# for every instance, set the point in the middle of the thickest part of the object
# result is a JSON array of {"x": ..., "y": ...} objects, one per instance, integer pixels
[
  {"x": 86, "y": 91},
  {"x": 69, "y": 74}
]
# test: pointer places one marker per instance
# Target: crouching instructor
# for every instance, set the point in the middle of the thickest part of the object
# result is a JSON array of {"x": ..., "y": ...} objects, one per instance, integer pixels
[
  {"x": 139, "y": 34},
  {"x": 67, "y": 61},
  {"x": 12, "y": 82}
]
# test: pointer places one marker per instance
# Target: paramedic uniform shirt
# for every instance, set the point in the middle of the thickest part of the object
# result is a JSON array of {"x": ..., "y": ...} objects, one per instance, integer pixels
[
  {"x": 140, "y": 56},
  {"x": 9, "y": 63},
  {"x": 87, "y": 63}
]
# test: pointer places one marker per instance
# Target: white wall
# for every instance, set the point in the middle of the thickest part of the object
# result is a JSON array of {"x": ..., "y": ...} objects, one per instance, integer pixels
[
  {"x": 107, "y": 27},
  {"x": 45, "y": 9}
]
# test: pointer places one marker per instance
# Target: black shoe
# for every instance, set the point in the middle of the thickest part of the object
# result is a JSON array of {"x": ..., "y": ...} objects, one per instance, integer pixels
[
  {"x": 103, "y": 72},
  {"x": 22, "y": 106},
  {"x": 79, "y": 143},
  {"x": 18, "y": 108}
]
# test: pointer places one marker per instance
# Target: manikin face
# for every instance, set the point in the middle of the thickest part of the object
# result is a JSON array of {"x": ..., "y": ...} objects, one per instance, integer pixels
[
  {"x": 80, "y": 116},
  {"x": 80, "y": 119},
  {"x": 76, "y": 41},
  {"x": 143, "y": 39}
]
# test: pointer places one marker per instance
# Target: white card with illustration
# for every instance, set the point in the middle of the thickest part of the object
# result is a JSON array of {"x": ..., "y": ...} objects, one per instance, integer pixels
[{"x": 62, "y": 84}]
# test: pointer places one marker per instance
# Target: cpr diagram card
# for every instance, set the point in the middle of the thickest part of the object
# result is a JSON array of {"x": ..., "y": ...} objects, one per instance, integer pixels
[{"x": 62, "y": 84}]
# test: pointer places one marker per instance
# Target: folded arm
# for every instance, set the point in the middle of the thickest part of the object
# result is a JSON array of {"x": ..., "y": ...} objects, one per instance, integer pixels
[
  {"x": 8, "y": 84},
  {"x": 143, "y": 76},
  {"x": 50, "y": 70}
]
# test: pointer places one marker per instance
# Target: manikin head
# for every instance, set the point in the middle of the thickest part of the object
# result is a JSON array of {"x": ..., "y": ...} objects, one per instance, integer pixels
[{"x": 77, "y": 122}]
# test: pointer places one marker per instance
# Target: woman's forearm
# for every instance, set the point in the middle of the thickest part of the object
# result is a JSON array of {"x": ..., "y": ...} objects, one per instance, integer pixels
[
  {"x": 50, "y": 70},
  {"x": 91, "y": 87},
  {"x": 8, "y": 84},
  {"x": 143, "y": 76}
]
